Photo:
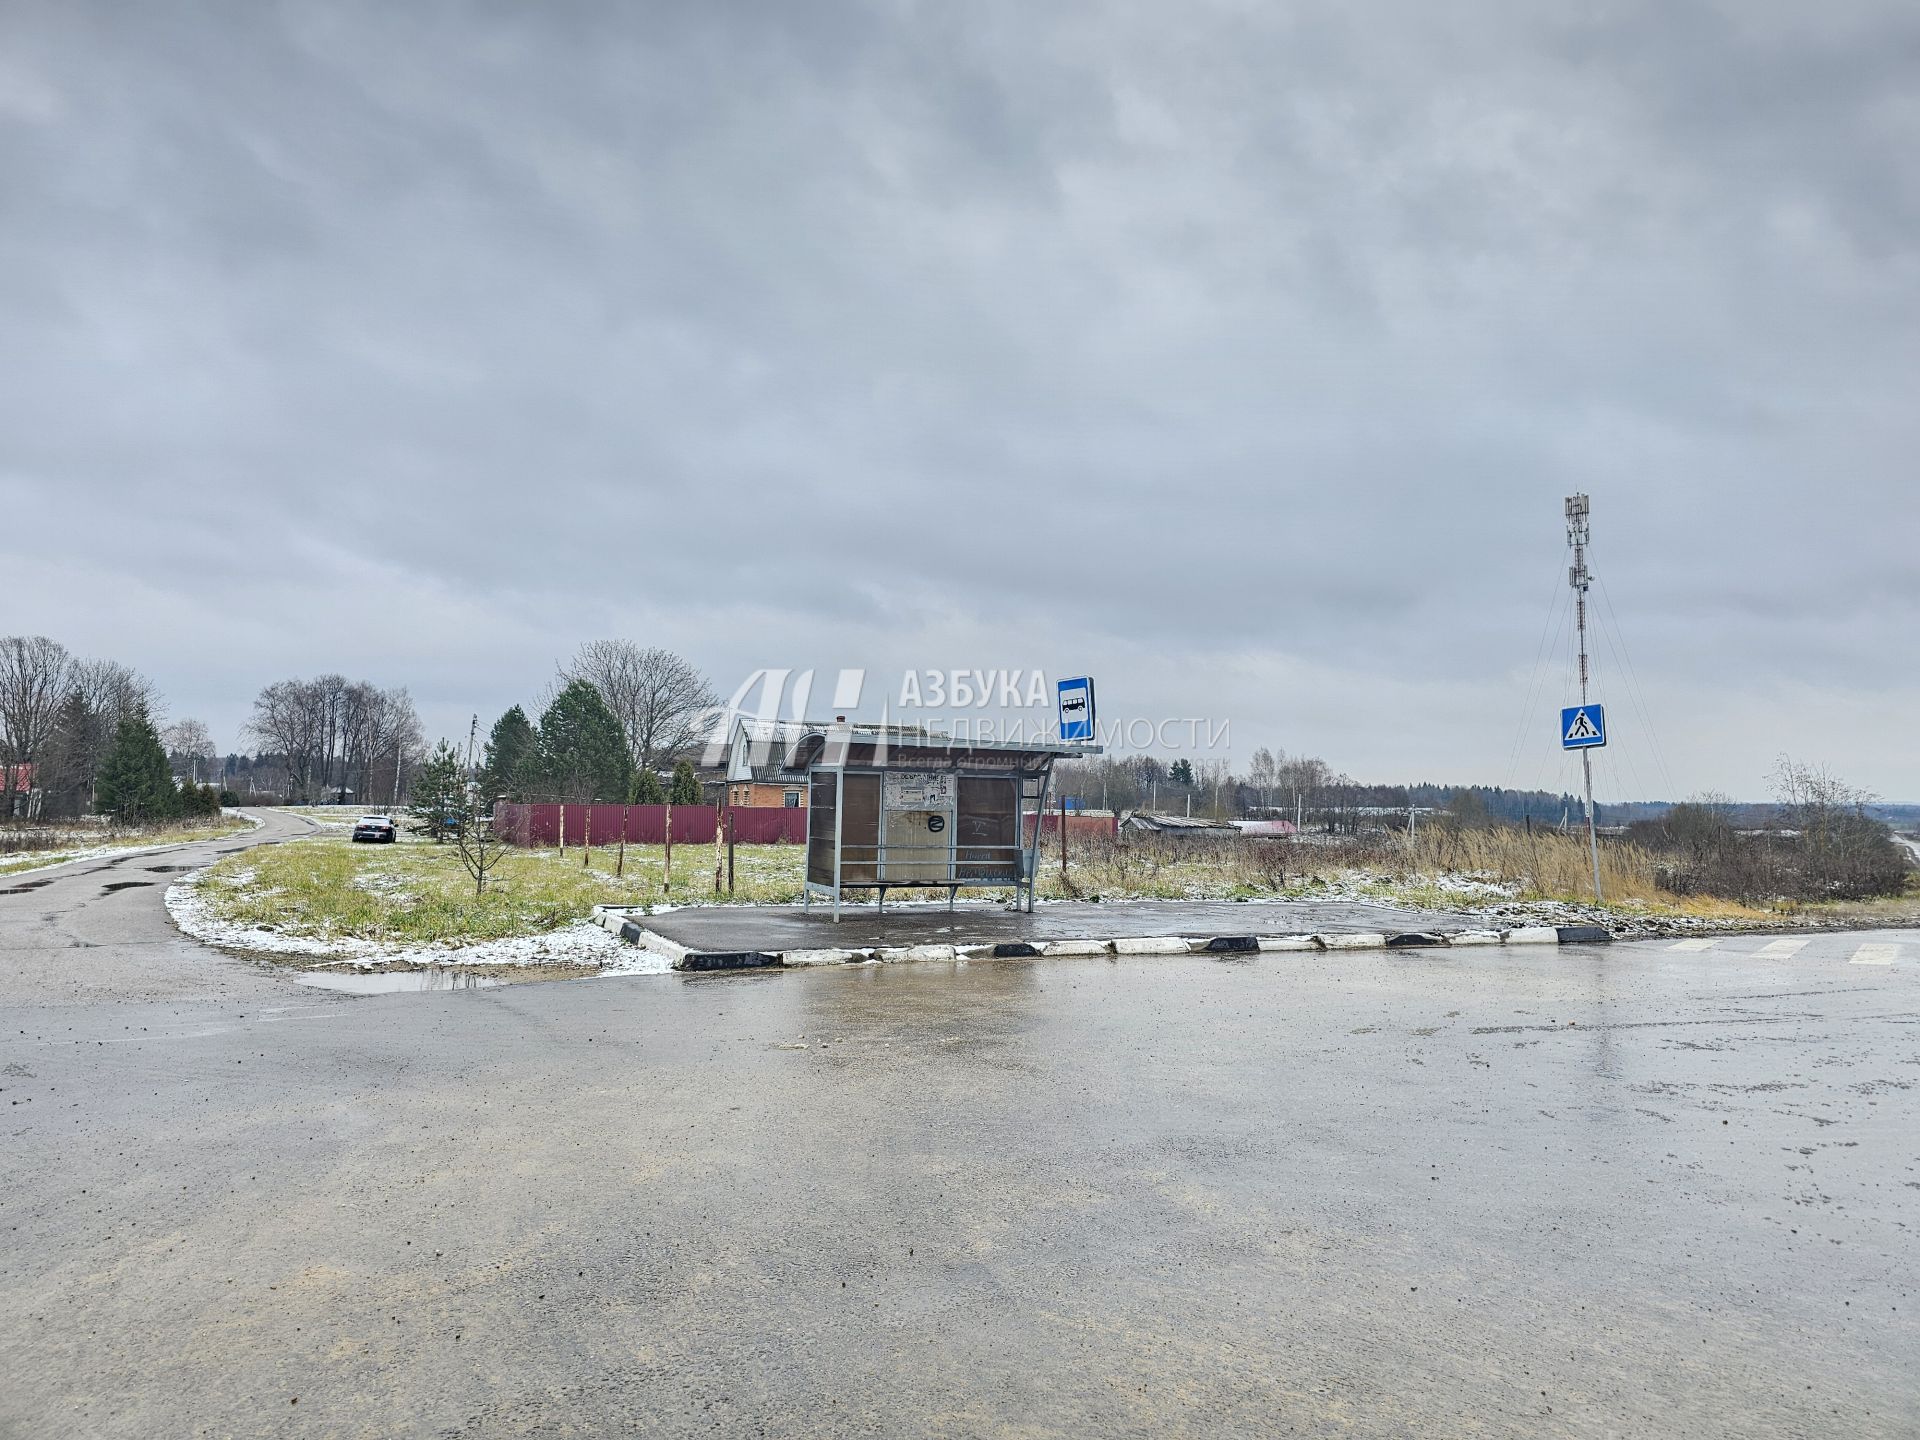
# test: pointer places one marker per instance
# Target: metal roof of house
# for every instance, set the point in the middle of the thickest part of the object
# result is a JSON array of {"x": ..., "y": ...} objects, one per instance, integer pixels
[
  {"x": 1265, "y": 827},
  {"x": 1180, "y": 824}
]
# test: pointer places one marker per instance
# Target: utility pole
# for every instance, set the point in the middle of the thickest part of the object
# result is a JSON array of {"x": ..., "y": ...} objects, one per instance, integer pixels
[{"x": 1580, "y": 578}]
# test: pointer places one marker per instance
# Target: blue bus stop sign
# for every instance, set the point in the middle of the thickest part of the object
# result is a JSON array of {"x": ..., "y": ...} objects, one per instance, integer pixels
[{"x": 1583, "y": 727}]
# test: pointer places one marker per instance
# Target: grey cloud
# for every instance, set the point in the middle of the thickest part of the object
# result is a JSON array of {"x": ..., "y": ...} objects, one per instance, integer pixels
[{"x": 843, "y": 331}]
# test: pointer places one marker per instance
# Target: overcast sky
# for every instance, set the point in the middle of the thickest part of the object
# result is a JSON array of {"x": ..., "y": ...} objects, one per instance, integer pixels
[{"x": 1239, "y": 354}]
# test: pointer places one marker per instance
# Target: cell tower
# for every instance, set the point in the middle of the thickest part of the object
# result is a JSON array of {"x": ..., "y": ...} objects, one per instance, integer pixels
[{"x": 1580, "y": 578}]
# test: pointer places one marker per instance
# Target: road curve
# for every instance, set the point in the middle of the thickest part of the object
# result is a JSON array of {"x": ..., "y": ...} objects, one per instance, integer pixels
[{"x": 98, "y": 930}]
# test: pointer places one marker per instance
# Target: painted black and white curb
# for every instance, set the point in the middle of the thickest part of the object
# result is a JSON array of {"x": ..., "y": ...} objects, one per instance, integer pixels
[{"x": 621, "y": 923}]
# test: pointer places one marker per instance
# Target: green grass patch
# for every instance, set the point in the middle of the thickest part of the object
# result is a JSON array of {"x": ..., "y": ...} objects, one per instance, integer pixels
[{"x": 417, "y": 892}]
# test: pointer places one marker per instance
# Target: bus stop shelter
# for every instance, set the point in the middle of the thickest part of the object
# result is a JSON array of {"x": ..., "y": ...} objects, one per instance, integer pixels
[{"x": 897, "y": 807}]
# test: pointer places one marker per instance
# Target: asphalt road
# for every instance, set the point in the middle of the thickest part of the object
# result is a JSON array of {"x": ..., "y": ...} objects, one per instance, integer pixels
[{"x": 1634, "y": 1191}]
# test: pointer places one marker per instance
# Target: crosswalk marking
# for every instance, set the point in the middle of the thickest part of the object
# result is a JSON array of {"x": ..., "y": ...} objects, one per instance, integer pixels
[{"x": 1831, "y": 948}]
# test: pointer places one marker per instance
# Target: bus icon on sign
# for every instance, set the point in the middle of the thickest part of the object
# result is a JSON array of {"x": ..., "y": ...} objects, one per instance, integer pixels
[{"x": 1076, "y": 708}]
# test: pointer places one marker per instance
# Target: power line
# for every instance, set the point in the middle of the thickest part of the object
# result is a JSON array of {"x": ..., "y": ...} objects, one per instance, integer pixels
[
  {"x": 1549, "y": 630},
  {"x": 1636, "y": 695}
]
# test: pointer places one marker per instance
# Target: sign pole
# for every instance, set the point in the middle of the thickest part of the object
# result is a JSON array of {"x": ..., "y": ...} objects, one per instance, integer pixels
[
  {"x": 1063, "y": 843},
  {"x": 1593, "y": 839},
  {"x": 1580, "y": 578}
]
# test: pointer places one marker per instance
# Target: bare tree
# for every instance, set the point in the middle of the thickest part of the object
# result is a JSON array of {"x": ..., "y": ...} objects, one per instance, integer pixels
[
  {"x": 35, "y": 674},
  {"x": 190, "y": 745},
  {"x": 481, "y": 847},
  {"x": 1844, "y": 852},
  {"x": 115, "y": 691},
  {"x": 662, "y": 703},
  {"x": 390, "y": 744},
  {"x": 1261, "y": 772},
  {"x": 287, "y": 720},
  {"x": 1215, "y": 779},
  {"x": 338, "y": 735},
  {"x": 329, "y": 698},
  {"x": 1297, "y": 782}
]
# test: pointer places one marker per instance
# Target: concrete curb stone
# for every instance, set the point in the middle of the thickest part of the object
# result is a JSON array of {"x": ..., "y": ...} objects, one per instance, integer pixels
[
  {"x": 681, "y": 957},
  {"x": 899, "y": 954},
  {"x": 1076, "y": 947},
  {"x": 800, "y": 959},
  {"x": 1363, "y": 940}
]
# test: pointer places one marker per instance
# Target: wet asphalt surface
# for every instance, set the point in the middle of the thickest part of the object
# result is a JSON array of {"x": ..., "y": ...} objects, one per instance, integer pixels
[{"x": 1623, "y": 1191}]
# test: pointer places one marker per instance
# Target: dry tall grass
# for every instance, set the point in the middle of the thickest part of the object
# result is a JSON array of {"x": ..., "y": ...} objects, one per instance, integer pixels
[
  {"x": 1543, "y": 865},
  {"x": 1546, "y": 864}
]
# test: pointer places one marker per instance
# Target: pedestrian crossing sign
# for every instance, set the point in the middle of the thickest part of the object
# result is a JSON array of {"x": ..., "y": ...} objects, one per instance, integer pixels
[{"x": 1583, "y": 727}]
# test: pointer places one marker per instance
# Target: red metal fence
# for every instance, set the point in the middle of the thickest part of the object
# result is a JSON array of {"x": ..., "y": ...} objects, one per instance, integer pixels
[
  {"x": 1103, "y": 827},
  {"x": 694, "y": 824},
  {"x": 646, "y": 824}
]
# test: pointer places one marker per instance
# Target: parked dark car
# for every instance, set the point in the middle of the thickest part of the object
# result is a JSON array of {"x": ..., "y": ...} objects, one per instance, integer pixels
[{"x": 374, "y": 830}]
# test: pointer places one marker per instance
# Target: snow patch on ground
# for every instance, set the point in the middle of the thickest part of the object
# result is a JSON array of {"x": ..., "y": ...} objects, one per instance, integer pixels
[
  {"x": 584, "y": 944},
  {"x": 53, "y": 859},
  {"x": 373, "y": 882}
]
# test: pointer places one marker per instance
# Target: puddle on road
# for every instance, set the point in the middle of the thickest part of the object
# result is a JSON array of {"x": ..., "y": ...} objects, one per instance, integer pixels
[
  {"x": 165, "y": 869},
  {"x": 126, "y": 885},
  {"x": 26, "y": 887},
  {"x": 382, "y": 982}
]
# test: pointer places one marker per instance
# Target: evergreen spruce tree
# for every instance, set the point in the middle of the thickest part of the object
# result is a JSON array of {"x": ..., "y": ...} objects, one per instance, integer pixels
[
  {"x": 439, "y": 794},
  {"x": 510, "y": 750},
  {"x": 581, "y": 751},
  {"x": 686, "y": 785},
  {"x": 135, "y": 783},
  {"x": 647, "y": 790}
]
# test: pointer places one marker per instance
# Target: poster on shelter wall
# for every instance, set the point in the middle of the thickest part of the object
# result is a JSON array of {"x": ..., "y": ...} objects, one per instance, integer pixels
[{"x": 918, "y": 790}]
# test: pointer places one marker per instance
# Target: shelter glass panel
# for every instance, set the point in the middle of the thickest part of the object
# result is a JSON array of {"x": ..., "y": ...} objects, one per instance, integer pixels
[
  {"x": 860, "y": 832},
  {"x": 820, "y": 813},
  {"x": 989, "y": 828}
]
